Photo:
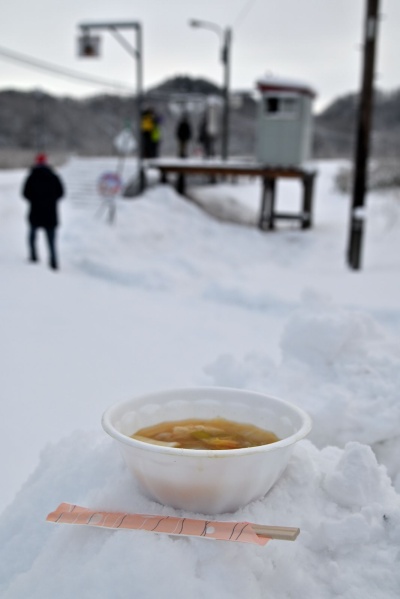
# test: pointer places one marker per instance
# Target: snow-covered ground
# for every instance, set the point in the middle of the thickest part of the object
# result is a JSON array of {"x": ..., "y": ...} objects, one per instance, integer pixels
[{"x": 169, "y": 297}]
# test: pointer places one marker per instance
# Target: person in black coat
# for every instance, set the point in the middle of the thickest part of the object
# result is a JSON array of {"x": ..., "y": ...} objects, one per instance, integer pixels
[
  {"x": 43, "y": 189},
  {"x": 183, "y": 135}
]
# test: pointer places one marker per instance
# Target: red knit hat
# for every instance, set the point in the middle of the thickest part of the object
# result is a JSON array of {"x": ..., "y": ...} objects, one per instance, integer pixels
[{"x": 41, "y": 158}]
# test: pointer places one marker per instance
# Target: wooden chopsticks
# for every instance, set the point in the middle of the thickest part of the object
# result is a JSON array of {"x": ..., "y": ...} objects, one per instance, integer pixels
[{"x": 281, "y": 533}]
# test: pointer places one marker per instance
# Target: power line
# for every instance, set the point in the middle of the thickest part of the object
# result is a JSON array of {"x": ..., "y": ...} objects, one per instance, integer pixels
[
  {"x": 59, "y": 71},
  {"x": 244, "y": 12}
]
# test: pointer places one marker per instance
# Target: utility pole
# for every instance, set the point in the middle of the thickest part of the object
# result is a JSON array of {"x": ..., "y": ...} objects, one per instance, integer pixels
[{"x": 357, "y": 216}]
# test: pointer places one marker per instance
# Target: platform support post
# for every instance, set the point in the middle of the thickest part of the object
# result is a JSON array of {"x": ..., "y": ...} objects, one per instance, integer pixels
[{"x": 267, "y": 214}]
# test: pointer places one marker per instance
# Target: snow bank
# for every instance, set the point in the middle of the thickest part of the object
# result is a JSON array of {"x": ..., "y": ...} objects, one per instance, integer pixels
[
  {"x": 146, "y": 305},
  {"x": 342, "y": 500},
  {"x": 338, "y": 365}
]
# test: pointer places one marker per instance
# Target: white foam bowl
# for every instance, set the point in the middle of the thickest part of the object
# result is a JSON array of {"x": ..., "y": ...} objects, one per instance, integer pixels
[{"x": 206, "y": 481}]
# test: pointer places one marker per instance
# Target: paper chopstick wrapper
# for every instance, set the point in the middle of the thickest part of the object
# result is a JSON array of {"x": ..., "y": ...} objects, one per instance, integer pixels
[{"x": 242, "y": 532}]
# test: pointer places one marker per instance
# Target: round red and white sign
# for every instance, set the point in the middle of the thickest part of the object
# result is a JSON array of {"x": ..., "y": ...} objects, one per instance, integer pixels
[{"x": 109, "y": 184}]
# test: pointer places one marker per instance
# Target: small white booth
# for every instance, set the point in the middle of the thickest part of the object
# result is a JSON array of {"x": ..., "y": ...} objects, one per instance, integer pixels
[
  {"x": 284, "y": 122},
  {"x": 284, "y": 136}
]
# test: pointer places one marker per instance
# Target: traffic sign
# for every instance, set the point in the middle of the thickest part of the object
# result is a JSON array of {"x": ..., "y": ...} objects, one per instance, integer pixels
[{"x": 109, "y": 184}]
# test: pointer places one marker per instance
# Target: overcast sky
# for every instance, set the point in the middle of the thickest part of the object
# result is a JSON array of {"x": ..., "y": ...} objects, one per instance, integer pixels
[{"x": 317, "y": 41}]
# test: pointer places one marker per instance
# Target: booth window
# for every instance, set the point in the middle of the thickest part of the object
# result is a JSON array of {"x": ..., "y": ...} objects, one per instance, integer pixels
[
  {"x": 272, "y": 104},
  {"x": 281, "y": 106}
]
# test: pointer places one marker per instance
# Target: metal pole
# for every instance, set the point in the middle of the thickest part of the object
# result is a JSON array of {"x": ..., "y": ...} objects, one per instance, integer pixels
[
  {"x": 357, "y": 215},
  {"x": 137, "y": 53},
  {"x": 226, "y": 52},
  {"x": 226, "y": 59}
]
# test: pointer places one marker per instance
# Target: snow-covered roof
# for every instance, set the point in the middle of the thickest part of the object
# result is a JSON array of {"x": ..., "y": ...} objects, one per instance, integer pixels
[{"x": 274, "y": 83}]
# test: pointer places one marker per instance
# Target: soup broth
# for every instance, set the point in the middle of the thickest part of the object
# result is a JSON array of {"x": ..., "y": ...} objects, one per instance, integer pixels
[{"x": 216, "y": 434}]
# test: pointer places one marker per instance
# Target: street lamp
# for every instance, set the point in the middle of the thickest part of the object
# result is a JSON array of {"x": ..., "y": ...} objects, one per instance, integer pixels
[
  {"x": 225, "y": 36},
  {"x": 89, "y": 47}
]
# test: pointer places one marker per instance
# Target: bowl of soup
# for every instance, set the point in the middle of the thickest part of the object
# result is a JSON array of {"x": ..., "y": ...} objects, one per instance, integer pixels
[{"x": 207, "y": 450}]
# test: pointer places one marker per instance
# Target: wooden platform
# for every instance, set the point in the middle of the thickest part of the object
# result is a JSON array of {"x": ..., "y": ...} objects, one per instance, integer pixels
[{"x": 214, "y": 168}]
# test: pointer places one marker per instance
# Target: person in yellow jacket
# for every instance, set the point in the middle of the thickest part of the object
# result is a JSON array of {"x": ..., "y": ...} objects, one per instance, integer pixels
[{"x": 150, "y": 126}]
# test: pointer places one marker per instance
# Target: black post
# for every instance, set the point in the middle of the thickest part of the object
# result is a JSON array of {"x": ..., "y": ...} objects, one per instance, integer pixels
[
  {"x": 362, "y": 140},
  {"x": 307, "y": 208},
  {"x": 267, "y": 212}
]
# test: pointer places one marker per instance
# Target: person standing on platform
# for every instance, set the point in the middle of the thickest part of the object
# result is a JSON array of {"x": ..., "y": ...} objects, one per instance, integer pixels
[
  {"x": 203, "y": 137},
  {"x": 183, "y": 135},
  {"x": 150, "y": 127},
  {"x": 208, "y": 129},
  {"x": 146, "y": 129},
  {"x": 43, "y": 189},
  {"x": 156, "y": 135}
]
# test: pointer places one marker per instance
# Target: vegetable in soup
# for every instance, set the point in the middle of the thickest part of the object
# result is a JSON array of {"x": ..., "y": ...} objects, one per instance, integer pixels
[{"x": 216, "y": 434}]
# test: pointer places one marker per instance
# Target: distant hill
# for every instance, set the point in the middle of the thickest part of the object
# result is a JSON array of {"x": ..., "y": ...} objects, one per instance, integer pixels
[
  {"x": 185, "y": 84},
  {"x": 335, "y": 127},
  {"x": 31, "y": 120}
]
